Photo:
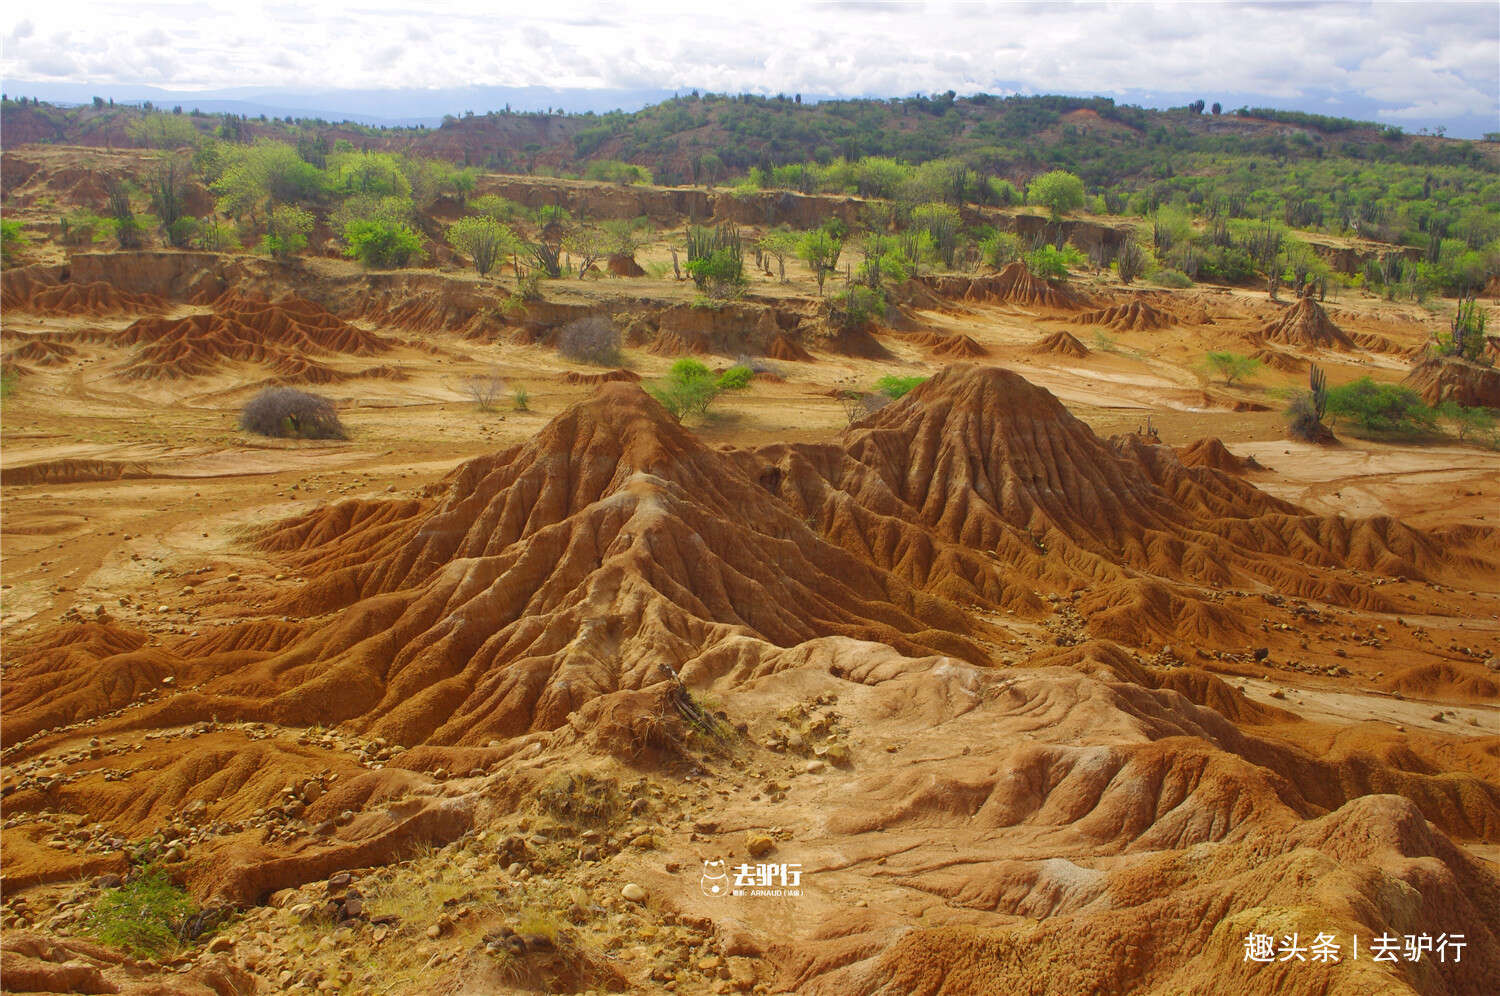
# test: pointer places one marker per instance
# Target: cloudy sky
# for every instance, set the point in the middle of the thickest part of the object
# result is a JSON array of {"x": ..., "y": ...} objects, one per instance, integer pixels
[{"x": 1417, "y": 64}]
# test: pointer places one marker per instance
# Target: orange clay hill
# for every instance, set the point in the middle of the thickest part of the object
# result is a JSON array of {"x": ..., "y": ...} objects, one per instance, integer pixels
[{"x": 993, "y": 683}]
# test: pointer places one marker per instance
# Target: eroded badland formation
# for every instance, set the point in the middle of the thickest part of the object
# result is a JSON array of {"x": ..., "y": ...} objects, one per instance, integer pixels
[{"x": 1066, "y": 672}]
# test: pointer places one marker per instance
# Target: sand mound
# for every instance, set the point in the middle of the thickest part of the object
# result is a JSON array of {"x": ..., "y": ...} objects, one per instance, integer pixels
[
  {"x": 1060, "y": 343},
  {"x": 959, "y": 347},
  {"x": 980, "y": 460},
  {"x": 608, "y": 376},
  {"x": 1446, "y": 378},
  {"x": 41, "y": 352},
  {"x": 678, "y": 344},
  {"x": 624, "y": 265},
  {"x": 1137, "y": 316},
  {"x": 1376, "y": 343},
  {"x": 31, "y": 290},
  {"x": 1306, "y": 324},
  {"x": 284, "y": 335},
  {"x": 1013, "y": 285},
  {"x": 71, "y": 471},
  {"x": 1213, "y": 453},
  {"x": 787, "y": 350},
  {"x": 694, "y": 552},
  {"x": 1277, "y": 360}
]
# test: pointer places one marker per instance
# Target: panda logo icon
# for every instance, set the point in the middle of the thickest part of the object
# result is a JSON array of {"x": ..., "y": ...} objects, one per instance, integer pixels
[{"x": 715, "y": 881}]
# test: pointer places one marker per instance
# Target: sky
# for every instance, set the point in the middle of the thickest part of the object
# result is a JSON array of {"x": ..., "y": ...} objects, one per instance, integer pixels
[{"x": 1413, "y": 64}]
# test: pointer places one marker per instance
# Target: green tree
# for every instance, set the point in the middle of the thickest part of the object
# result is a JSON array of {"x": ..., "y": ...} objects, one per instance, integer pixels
[
  {"x": 128, "y": 230},
  {"x": 1059, "y": 191},
  {"x": 941, "y": 221},
  {"x": 589, "y": 244},
  {"x": 498, "y": 208},
  {"x": 259, "y": 176},
  {"x": 286, "y": 231},
  {"x": 162, "y": 131},
  {"x": 214, "y": 235},
  {"x": 1231, "y": 366},
  {"x": 780, "y": 245},
  {"x": 377, "y": 173},
  {"x": 166, "y": 185},
  {"x": 820, "y": 251},
  {"x": 482, "y": 239}
]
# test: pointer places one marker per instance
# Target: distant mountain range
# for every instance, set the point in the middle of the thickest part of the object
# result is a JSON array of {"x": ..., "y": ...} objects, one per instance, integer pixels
[
  {"x": 428, "y": 107},
  {"x": 372, "y": 107}
]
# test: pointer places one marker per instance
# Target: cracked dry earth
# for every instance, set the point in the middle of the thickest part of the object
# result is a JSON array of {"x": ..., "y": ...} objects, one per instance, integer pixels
[{"x": 1025, "y": 708}]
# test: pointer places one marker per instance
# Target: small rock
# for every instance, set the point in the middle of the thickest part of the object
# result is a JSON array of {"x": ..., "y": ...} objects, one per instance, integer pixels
[
  {"x": 758, "y": 844},
  {"x": 634, "y": 893}
]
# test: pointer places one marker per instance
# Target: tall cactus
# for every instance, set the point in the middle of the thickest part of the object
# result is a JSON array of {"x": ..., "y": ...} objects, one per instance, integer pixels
[{"x": 1317, "y": 386}]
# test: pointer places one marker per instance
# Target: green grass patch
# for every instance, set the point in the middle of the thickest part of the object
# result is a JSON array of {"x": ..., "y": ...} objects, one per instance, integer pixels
[
  {"x": 894, "y": 386},
  {"x": 144, "y": 916}
]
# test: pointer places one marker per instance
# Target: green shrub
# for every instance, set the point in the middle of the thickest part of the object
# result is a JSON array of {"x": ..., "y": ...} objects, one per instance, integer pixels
[
  {"x": 615, "y": 171},
  {"x": 1171, "y": 278},
  {"x": 12, "y": 240},
  {"x": 381, "y": 243},
  {"x": 690, "y": 387},
  {"x": 1469, "y": 423},
  {"x": 80, "y": 226},
  {"x": 894, "y": 386},
  {"x": 736, "y": 378},
  {"x": 214, "y": 235},
  {"x": 1000, "y": 248},
  {"x": 286, "y": 231},
  {"x": 180, "y": 233},
  {"x": 1051, "y": 263},
  {"x": 719, "y": 273},
  {"x": 859, "y": 304},
  {"x": 1381, "y": 409},
  {"x": 143, "y": 917},
  {"x": 483, "y": 239},
  {"x": 1466, "y": 332}
]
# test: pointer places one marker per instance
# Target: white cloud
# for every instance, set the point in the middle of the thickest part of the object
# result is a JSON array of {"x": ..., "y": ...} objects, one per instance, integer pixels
[{"x": 1412, "y": 59}]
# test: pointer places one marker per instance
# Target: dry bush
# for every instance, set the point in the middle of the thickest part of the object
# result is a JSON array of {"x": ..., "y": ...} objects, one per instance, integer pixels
[
  {"x": 288, "y": 413},
  {"x": 859, "y": 404},
  {"x": 485, "y": 389},
  {"x": 593, "y": 339},
  {"x": 580, "y": 798}
]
